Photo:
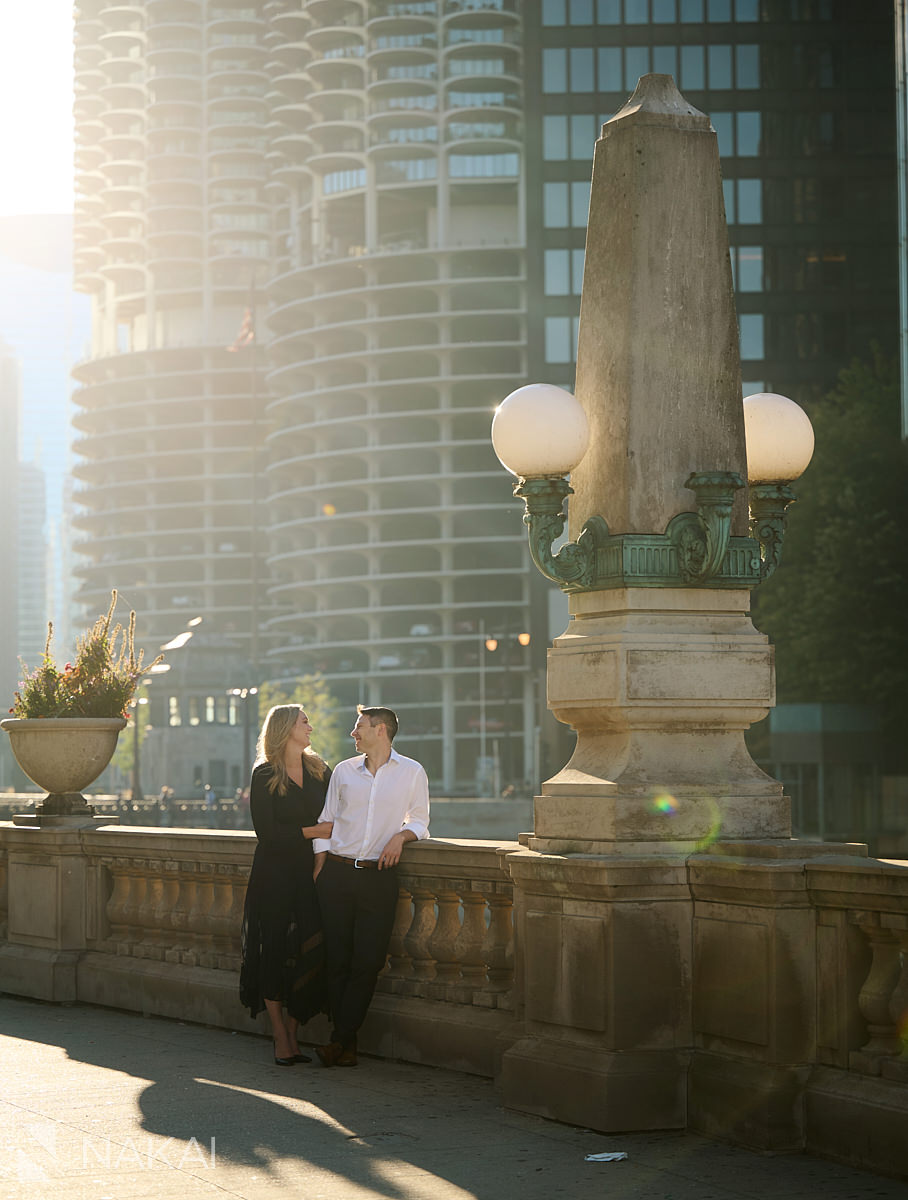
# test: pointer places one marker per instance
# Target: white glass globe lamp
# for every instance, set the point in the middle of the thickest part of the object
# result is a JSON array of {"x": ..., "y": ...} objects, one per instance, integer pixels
[
  {"x": 779, "y": 438},
  {"x": 540, "y": 430}
]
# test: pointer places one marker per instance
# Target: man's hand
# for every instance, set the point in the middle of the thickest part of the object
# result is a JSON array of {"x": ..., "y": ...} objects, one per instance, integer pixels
[{"x": 390, "y": 856}]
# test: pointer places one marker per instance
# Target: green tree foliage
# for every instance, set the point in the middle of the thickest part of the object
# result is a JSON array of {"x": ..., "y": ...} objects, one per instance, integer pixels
[
  {"x": 836, "y": 607},
  {"x": 331, "y": 725}
]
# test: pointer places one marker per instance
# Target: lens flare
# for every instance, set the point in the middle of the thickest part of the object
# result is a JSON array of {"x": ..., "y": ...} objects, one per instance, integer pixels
[
  {"x": 328, "y": 510},
  {"x": 715, "y": 824},
  {"x": 666, "y": 804}
]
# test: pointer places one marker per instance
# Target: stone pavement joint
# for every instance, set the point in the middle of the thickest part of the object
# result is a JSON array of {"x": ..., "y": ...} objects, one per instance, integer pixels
[{"x": 105, "y": 1105}]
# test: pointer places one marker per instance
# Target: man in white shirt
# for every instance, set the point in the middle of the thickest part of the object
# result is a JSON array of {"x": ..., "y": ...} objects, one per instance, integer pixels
[{"x": 377, "y": 801}]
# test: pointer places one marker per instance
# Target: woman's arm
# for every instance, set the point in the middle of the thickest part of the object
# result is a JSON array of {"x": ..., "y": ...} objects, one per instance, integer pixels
[
  {"x": 261, "y": 807},
  {"x": 321, "y": 830}
]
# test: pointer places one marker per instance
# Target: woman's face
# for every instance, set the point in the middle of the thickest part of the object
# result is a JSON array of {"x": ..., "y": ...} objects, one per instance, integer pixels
[{"x": 302, "y": 731}]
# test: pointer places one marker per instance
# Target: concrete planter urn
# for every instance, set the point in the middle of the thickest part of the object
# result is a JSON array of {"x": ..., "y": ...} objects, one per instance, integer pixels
[{"x": 63, "y": 755}]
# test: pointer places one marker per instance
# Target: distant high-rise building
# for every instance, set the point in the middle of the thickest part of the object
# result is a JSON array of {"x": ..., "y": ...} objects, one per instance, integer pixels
[
  {"x": 32, "y": 560},
  {"x": 9, "y": 510},
  {"x": 397, "y": 192}
]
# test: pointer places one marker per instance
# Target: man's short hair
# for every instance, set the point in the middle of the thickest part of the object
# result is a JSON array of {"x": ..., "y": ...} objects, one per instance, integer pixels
[{"x": 381, "y": 716}]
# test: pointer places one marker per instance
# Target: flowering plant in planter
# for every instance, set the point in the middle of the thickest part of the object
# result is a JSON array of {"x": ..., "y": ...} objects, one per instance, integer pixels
[{"x": 100, "y": 683}]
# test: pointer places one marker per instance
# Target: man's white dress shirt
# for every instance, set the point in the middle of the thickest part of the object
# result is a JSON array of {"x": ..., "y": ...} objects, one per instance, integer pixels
[{"x": 368, "y": 810}]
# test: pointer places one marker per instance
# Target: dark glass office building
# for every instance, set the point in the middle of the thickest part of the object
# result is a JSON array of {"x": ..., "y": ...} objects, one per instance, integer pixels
[{"x": 801, "y": 94}]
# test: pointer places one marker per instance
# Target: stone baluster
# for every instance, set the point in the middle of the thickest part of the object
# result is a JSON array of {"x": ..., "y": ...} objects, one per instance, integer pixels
[
  {"x": 443, "y": 942},
  {"x": 150, "y": 944},
  {"x": 898, "y": 1001},
  {"x": 876, "y": 994},
  {"x": 398, "y": 960},
  {"x": 498, "y": 949},
  {"x": 470, "y": 944},
  {"x": 179, "y": 917},
  {"x": 132, "y": 906},
  {"x": 116, "y": 908},
  {"x": 4, "y": 897},
  {"x": 233, "y": 954},
  {"x": 416, "y": 942},
  {"x": 167, "y": 899},
  {"x": 200, "y": 937},
  {"x": 220, "y": 916}
]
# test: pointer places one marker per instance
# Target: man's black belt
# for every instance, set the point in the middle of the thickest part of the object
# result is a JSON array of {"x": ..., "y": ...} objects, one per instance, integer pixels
[{"x": 359, "y": 863}]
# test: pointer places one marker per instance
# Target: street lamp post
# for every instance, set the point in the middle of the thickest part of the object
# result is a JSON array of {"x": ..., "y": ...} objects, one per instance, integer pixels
[
  {"x": 136, "y": 705},
  {"x": 245, "y": 694}
]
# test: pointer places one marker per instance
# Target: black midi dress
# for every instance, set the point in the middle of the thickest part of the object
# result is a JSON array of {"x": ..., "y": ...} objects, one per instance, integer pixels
[{"x": 282, "y": 945}]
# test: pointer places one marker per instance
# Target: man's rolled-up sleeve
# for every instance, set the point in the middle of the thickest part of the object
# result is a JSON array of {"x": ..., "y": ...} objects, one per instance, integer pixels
[
  {"x": 417, "y": 818},
  {"x": 321, "y": 845}
]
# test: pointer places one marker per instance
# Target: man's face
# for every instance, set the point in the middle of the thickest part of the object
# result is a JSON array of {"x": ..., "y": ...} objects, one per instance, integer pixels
[{"x": 364, "y": 734}]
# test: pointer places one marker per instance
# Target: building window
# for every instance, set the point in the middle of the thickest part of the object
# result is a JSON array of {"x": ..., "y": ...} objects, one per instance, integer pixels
[
  {"x": 558, "y": 347},
  {"x": 555, "y": 205},
  {"x": 747, "y": 66},
  {"x": 554, "y": 70},
  {"x": 557, "y": 272},
  {"x": 483, "y": 166},
  {"x": 581, "y": 12},
  {"x": 609, "y": 64},
  {"x": 580, "y": 203},
  {"x": 691, "y": 10},
  {"x": 743, "y": 201},
  {"x": 719, "y": 10},
  {"x": 747, "y": 134},
  {"x": 584, "y": 131},
  {"x": 554, "y": 138},
  {"x": 635, "y": 12},
  {"x": 173, "y": 711},
  {"x": 636, "y": 63},
  {"x": 581, "y": 61},
  {"x": 608, "y": 12},
  {"x": 747, "y": 264},
  {"x": 751, "y": 329},
  {"x": 554, "y": 12}
]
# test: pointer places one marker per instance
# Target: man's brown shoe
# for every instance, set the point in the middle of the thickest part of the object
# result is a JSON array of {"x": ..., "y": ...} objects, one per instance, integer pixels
[
  {"x": 330, "y": 1053},
  {"x": 347, "y": 1057}
]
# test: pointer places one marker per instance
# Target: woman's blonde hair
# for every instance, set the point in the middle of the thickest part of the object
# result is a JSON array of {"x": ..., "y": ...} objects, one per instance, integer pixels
[{"x": 272, "y": 741}]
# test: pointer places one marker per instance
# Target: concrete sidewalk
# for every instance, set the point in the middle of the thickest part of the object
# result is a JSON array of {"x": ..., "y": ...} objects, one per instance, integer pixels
[{"x": 103, "y": 1105}]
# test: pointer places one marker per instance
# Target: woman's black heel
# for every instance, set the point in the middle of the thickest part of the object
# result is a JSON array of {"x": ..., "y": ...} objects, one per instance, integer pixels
[{"x": 282, "y": 1062}]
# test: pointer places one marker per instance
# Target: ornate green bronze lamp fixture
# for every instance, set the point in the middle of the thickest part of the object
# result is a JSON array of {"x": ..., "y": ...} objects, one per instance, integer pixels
[{"x": 540, "y": 433}]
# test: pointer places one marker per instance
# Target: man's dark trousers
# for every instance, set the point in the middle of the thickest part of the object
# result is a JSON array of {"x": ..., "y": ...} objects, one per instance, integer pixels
[{"x": 358, "y": 905}]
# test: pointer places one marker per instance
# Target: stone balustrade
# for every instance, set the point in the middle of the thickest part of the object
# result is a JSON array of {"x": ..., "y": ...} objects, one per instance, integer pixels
[{"x": 790, "y": 1024}]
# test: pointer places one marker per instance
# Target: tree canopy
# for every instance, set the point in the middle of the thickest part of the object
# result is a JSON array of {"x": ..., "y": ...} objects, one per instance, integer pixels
[
  {"x": 836, "y": 607},
  {"x": 330, "y": 725}
]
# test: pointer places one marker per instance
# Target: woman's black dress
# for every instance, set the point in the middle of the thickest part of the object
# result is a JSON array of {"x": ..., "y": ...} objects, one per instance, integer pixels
[{"x": 283, "y": 952}]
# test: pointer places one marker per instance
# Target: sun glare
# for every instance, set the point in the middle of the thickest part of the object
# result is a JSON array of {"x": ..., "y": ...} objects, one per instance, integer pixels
[{"x": 36, "y": 81}]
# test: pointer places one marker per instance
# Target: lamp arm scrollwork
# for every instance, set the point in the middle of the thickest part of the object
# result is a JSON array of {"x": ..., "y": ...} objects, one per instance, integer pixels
[
  {"x": 701, "y": 539},
  {"x": 768, "y": 504},
  {"x": 574, "y": 566}
]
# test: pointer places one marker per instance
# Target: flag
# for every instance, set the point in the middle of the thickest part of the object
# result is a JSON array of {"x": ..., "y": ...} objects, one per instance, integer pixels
[{"x": 246, "y": 332}]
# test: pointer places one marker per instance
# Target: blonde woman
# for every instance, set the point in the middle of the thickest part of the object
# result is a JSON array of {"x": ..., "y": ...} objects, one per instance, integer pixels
[{"x": 282, "y": 968}]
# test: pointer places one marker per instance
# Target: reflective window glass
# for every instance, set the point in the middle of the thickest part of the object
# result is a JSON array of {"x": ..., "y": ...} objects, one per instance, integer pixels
[
  {"x": 692, "y": 74},
  {"x": 581, "y": 12},
  {"x": 555, "y": 205},
  {"x": 635, "y": 12},
  {"x": 610, "y": 78},
  {"x": 583, "y": 135},
  {"x": 577, "y": 257},
  {"x": 719, "y": 61},
  {"x": 750, "y": 269},
  {"x": 691, "y": 10},
  {"x": 608, "y": 12},
  {"x": 636, "y": 63},
  {"x": 553, "y": 12},
  {"x": 664, "y": 11},
  {"x": 554, "y": 138},
  {"x": 728, "y": 193},
  {"x": 751, "y": 329},
  {"x": 580, "y": 203},
  {"x": 558, "y": 339},
  {"x": 747, "y": 10},
  {"x": 554, "y": 70},
  {"x": 665, "y": 60},
  {"x": 750, "y": 201},
  {"x": 582, "y": 70},
  {"x": 719, "y": 10},
  {"x": 747, "y": 66},
  {"x": 747, "y": 128},
  {"x": 723, "y": 124},
  {"x": 557, "y": 272}
]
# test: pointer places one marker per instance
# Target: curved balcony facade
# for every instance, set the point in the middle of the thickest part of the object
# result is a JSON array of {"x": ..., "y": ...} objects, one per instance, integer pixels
[
  {"x": 398, "y": 321},
  {"x": 173, "y": 236}
]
